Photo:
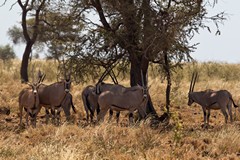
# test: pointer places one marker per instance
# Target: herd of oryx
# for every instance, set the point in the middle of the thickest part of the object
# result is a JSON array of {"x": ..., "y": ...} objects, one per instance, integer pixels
[{"x": 104, "y": 97}]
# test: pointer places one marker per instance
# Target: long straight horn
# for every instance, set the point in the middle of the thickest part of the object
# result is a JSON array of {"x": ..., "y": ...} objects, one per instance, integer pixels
[
  {"x": 106, "y": 72},
  {"x": 33, "y": 67},
  {"x": 104, "y": 75},
  {"x": 195, "y": 78},
  {"x": 190, "y": 88},
  {"x": 142, "y": 79},
  {"x": 114, "y": 77},
  {"x": 64, "y": 68},
  {"x": 147, "y": 79}
]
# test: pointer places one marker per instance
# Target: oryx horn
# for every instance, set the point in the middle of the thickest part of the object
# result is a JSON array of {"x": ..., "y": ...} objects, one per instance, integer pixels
[
  {"x": 142, "y": 79},
  {"x": 113, "y": 76},
  {"x": 193, "y": 81},
  {"x": 107, "y": 72}
]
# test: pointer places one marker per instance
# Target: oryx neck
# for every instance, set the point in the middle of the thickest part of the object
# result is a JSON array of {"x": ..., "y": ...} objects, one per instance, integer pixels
[
  {"x": 197, "y": 97},
  {"x": 35, "y": 101}
]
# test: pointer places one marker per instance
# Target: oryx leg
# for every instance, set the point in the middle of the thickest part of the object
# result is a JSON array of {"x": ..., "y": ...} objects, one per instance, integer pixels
[
  {"x": 20, "y": 114},
  {"x": 53, "y": 115},
  {"x": 34, "y": 122},
  {"x": 66, "y": 106},
  {"x": 87, "y": 115},
  {"x": 142, "y": 112},
  {"x": 208, "y": 116},
  {"x": 110, "y": 115},
  {"x": 130, "y": 116},
  {"x": 229, "y": 106},
  {"x": 33, "y": 119},
  {"x": 58, "y": 118},
  {"x": 224, "y": 112},
  {"x": 98, "y": 109},
  {"x": 47, "y": 115},
  {"x": 92, "y": 115},
  {"x": 26, "y": 117},
  {"x": 101, "y": 114},
  {"x": 205, "y": 116},
  {"x": 117, "y": 116}
]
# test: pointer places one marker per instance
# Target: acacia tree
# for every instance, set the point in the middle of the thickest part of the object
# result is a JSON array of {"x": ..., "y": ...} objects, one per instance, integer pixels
[
  {"x": 33, "y": 8},
  {"x": 139, "y": 33}
]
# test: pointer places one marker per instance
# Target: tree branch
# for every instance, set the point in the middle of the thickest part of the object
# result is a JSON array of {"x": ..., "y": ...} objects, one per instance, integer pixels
[
  {"x": 3, "y": 3},
  {"x": 98, "y": 6},
  {"x": 36, "y": 24},
  {"x": 24, "y": 21}
]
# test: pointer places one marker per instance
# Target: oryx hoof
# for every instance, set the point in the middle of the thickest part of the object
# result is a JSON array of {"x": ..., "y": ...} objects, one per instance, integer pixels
[{"x": 205, "y": 126}]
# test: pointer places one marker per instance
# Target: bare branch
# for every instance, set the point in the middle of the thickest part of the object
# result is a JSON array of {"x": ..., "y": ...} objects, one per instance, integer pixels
[
  {"x": 98, "y": 6},
  {"x": 3, "y": 3}
]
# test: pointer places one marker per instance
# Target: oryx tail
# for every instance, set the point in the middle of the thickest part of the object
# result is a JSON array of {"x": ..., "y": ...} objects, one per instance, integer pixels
[{"x": 234, "y": 104}]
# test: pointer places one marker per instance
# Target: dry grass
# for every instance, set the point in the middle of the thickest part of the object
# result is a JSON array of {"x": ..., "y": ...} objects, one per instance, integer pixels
[{"x": 183, "y": 138}]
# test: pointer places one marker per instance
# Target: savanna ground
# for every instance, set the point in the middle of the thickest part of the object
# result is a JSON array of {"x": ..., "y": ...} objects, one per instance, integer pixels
[{"x": 182, "y": 138}]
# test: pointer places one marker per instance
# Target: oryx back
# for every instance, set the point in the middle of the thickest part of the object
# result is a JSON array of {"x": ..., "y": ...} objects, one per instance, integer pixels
[
  {"x": 52, "y": 94},
  {"x": 130, "y": 99}
]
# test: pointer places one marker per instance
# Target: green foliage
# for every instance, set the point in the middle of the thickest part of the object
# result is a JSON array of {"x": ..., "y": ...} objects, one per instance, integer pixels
[
  {"x": 178, "y": 127},
  {"x": 7, "y": 53},
  {"x": 15, "y": 34}
]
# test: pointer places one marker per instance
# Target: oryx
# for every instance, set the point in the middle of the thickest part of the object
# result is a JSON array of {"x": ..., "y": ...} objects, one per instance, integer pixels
[
  {"x": 29, "y": 100},
  {"x": 66, "y": 103},
  {"x": 120, "y": 99},
  {"x": 90, "y": 94},
  {"x": 210, "y": 99},
  {"x": 89, "y": 98},
  {"x": 55, "y": 96}
]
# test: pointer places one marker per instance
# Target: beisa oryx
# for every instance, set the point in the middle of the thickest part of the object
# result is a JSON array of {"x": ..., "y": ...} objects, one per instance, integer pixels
[
  {"x": 56, "y": 96},
  {"x": 210, "y": 99},
  {"x": 90, "y": 98},
  {"x": 29, "y": 100},
  {"x": 91, "y": 93},
  {"x": 130, "y": 99}
]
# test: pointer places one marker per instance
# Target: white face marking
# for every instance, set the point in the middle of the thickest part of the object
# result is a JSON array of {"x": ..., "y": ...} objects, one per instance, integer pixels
[{"x": 66, "y": 90}]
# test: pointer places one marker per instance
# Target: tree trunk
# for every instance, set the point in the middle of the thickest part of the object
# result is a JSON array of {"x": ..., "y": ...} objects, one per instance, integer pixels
[
  {"x": 135, "y": 78},
  {"x": 24, "y": 65},
  {"x": 168, "y": 75}
]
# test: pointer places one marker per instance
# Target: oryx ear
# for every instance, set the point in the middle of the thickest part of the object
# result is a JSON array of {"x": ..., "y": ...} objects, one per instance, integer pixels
[{"x": 30, "y": 84}]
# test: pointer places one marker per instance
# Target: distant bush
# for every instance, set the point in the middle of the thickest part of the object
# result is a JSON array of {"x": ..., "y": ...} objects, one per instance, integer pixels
[{"x": 7, "y": 53}]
